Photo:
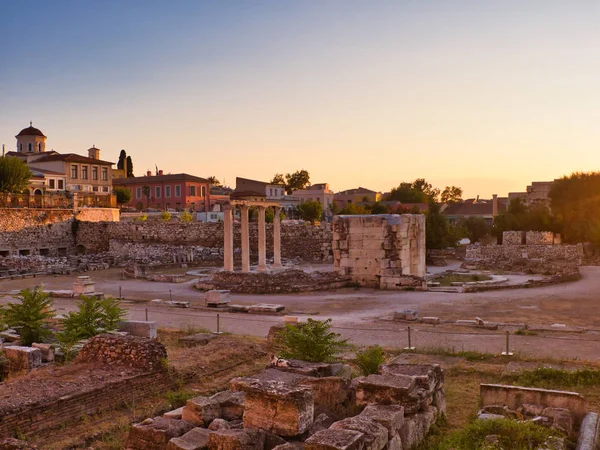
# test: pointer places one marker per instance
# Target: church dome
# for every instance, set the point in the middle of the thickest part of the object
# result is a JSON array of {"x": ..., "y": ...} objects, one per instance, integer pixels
[{"x": 30, "y": 131}]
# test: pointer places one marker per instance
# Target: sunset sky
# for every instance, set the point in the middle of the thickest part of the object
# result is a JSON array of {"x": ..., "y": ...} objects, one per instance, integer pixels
[{"x": 487, "y": 95}]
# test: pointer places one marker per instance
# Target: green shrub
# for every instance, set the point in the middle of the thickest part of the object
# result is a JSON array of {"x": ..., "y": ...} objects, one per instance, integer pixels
[
  {"x": 311, "y": 341},
  {"x": 186, "y": 216},
  {"x": 548, "y": 378},
  {"x": 30, "y": 316},
  {"x": 369, "y": 359},
  {"x": 178, "y": 398},
  {"x": 165, "y": 215}
]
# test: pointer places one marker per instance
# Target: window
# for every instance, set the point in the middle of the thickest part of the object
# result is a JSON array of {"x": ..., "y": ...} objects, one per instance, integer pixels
[
  {"x": 138, "y": 193},
  {"x": 40, "y": 147},
  {"x": 74, "y": 172},
  {"x": 51, "y": 183},
  {"x": 177, "y": 191},
  {"x": 61, "y": 184},
  {"x": 104, "y": 188},
  {"x": 203, "y": 191},
  {"x": 168, "y": 191},
  {"x": 95, "y": 188},
  {"x": 271, "y": 192},
  {"x": 104, "y": 174},
  {"x": 21, "y": 148},
  {"x": 94, "y": 173},
  {"x": 192, "y": 191},
  {"x": 157, "y": 191},
  {"x": 29, "y": 147},
  {"x": 84, "y": 172}
]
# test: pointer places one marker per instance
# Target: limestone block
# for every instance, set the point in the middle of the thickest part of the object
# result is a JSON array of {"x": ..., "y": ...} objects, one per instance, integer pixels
[
  {"x": 195, "y": 439},
  {"x": 217, "y": 297},
  {"x": 236, "y": 440},
  {"x": 439, "y": 401},
  {"x": 391, "y": 390},
  {"x": 375, "y": 436},
  {"x": 23, "y": 358},
  {"x": 335, "y": 440},
  {"x": 276, "y": 407},
  {"x": 175, "y": 414},
  {"x": 431, "y": 320},
  {"x": 201, "y": 411},
  {"x": 329, "y": 392},
  {"x": 406, "y": 314},
  {"x": 155, "y": 434},
  {"x": 139, "y": 328},
  {"x": 416, "y": 427},
  {"x": 47, "y": 351},
  {"x": 429, "y": 377},
  {"x": 83, "y": 286},
  {"x": 561, "y": 418},
  {"x": 395, "y": 443},
  {"x": 272, "y": 441},
  {"x": 389, "y": 416},
  {"x": 589, "y": 432},
  {"x": 265, "y": 308},
  {"x": 219, "y": 424},
  {"x": 231, "y": 404}
]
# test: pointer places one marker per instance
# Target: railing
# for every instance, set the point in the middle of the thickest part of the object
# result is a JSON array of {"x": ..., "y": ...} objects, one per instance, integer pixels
[{"x": 57, "y": 200}]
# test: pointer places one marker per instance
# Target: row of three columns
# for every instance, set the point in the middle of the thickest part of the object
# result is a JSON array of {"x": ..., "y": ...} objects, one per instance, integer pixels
[{"x": 262, "y": 239}]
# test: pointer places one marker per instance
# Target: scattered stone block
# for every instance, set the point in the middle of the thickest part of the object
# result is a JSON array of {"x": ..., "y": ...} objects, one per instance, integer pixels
[
  {"x": 439, "y": 401},
  {"x": 375, "y": 436},
  {"x": 195, "y": 439},
  {"x": 10, "y": 336},
  {"x": 290, "y": 446},
  {"x": 239, "y": 308},
  {"x": 489, "y": 416},
  {"x": 231, "y": 403},
  {"x": 426, "y": 376},
  {"x": 236, "y": 440},
  {"x": 272, "y": 441},
  {"x": 390, "y": 390},
  {"x": 561, "y": 418},
  {"x": 589, "y": 432},
  {"x": 219, "y": 424},
  {"x": 201, "y": 411},
  {"x": 276, "y": 407},
  {"x": 266, "y": 308},
  {"x": 335, "y": 440},
  {"x": 83, "y": 285},
  {"x": 197, "y": 339},
  {"x": 139, "y": 328},
  {"x": 290, "y": 319},
  {"x": 16, "y": 444},
  {"x": 23, "y": 358},
  {"x": 47, "y": 351},
  {"x": 175, "y": 414},
  {"x": 155, "y": 434},
  {"x": 407, "y": 315},
  {"x": 395, "y": 443},
  {"x": 218, "y": 298},
  {"x": 330, "y": 392},
  {"x": 416, "y": 427},
  {"x": 322, "y": 422},
  {"x": 431, "y": 320},
  {"x": 391, "y": 417}
]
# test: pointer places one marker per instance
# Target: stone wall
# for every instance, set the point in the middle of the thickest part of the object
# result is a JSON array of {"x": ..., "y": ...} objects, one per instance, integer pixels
[
  {"x": 98, "y": 215},
  {"x": 306, "y": 242},
  {"x": 530, "y": 238},
  {"x": 573, "y": 253},
  {"x": 17, "y": 219},
  {"x": 385, "y": 251}
]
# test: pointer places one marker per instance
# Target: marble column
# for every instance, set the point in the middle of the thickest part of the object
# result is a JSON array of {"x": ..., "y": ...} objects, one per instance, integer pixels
[
  {"x": 276, "y": 238},
  {"x": 262, "y": 240},
  {"x": 245, "y": 240},
  {"x": 228, "y": 238}
]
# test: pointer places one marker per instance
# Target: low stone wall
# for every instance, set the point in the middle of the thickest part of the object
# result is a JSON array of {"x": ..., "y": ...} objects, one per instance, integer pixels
[
  {"x": 98, "y": 215},
  {"x": 17, "y": 219},
  {"x": 565, "y": 252}
]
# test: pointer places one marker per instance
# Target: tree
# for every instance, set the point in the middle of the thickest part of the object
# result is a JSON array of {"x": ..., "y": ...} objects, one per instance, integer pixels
[
  {"x": 451, "y": 194},
  {"x": 129, "y": 173},
  {"x": 146, "y": 192},
  {"x": 269, "y": 215},
  {"x": 31, "y": 315},
  {"x": 334, "y": 208},
  {"x": 213, "y": 181},
  {"x": 421, "y": 185},
  {"x": 310, "y": 211},
  {"x": 296, "y": 181},
  {"x": 278, "y": 179},
  {"x": 122, "y": 159},
  {"x": 378, "y": 208},
  {"x": 353, "y": 209},
  {"x": 522, "y": 217},
  {"x": 311, "y": 341},
  {"x": 419, "y": 191},
  {"x": 123, "y": 195},
  {"x": 14, "y": 175},
  {"x": 438, "y": 232},
  {"x": 475, "y": 228}
]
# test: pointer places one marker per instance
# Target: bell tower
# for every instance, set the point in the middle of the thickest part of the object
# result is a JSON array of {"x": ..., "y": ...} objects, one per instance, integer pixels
[{"x": 31, "y": 140}]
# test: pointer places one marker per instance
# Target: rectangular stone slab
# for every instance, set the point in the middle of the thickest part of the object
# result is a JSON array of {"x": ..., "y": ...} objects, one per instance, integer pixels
[
  {"x": 391, "y": 390},
  {"x": 375, "y": 436},
  {"x": 201, "y": 411},
  {"x": 335, "y": 440},
  {"x": 236, "y": 440},
  {"x": 389, "y": 416},
  {"x": 195, "y": 439}
]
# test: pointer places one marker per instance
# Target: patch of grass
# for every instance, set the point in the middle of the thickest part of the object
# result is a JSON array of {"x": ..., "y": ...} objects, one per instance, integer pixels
[
  {"x": 468, "y": 355},
  {"x": 447, "y": 280},
  {"x": 525, "y": 332},
  {"x": 547, "y": 378},
  {"x": 369, "y": 359},
  {"x": 178, "y": 398},
  {"x": 510, "y": 434}
]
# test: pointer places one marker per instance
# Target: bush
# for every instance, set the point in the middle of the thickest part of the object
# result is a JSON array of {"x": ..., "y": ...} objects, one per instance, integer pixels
[
  {"x": 30, "y": 316},
  {"x": 123, "y": 195},
  {"x": 165, "y": 215},
  {"x": 310, "y": 211},
  {"x": 369, "y": 359},
  {"x": 311, "y": 341},
  {"x": 186, "y": 216}
]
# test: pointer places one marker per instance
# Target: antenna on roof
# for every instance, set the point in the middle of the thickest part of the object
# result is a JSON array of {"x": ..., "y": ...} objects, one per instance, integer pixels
[{"x": 30, "y": 123}]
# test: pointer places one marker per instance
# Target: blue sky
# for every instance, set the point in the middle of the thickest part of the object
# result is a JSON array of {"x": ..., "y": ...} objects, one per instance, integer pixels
[{"x": 486, "y": 95}]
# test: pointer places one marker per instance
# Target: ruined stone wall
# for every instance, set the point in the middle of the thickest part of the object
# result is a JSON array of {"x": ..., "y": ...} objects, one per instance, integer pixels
[
  {"x": 306, "y": 242},
  {"x": 385, "y": 251},
  {"x": 18, "y": 219},
  {"x": 98, "y": 215},
  {"x": 565, "y": 252},
  {"x": 37, "y": 420},
  {"x": 530, "y": 238}
]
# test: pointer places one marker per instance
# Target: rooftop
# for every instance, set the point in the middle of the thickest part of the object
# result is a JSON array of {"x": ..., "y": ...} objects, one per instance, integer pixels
[{"x": 156, "y": 178}]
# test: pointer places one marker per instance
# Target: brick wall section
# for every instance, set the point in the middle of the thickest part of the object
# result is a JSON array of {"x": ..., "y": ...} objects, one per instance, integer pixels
[{"x": 40, "y": 419}]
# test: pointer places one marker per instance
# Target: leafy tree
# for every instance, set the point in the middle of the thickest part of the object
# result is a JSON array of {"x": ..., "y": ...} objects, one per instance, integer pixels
[
  {"x": 521, "y": 217},
  {"x": 310, "y": 210},
  {"x": 439, "y": 234},
  {"x": 146, "y": 192},
  {"x": 353, "y": 209},
  {"x": 123, "y": 195},
  {"x": 30, "y": 316},
  {"x": 421, "y": 185},
  {"x": 369, "y": 359},
  {"x": 122, "y": 159},
  {"x": 269, "y": 215},
  {"x": 475, "y": 228},
  {"x": 334, "y": 208},
  {"x": 213, "y": 181},
  {"x": 278, "y": 179},
  {"x": 296, "y": 181},
  {"x": 451, "y": 194},
  {"x": 378, "y": 208},
  {"x": 14, "y": 175},
  {"x": 419, "y": 191},
  {"x": 129, "y": 168},
  {"x": 311, "y": 341}
]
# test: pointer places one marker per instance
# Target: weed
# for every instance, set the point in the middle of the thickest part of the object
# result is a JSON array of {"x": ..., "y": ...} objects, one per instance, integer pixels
[
  {"x": 178, "y": 398},
  {"x": 369, "y": 359},
  {"x": 313, "y": 341},
  {"x": 469, "y": 355}
]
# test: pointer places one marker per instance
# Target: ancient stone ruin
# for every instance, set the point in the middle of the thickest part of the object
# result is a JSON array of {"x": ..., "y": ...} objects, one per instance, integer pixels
[
  {"x": 385, "y": 251},
  {"x": 315, "y": 406}
]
